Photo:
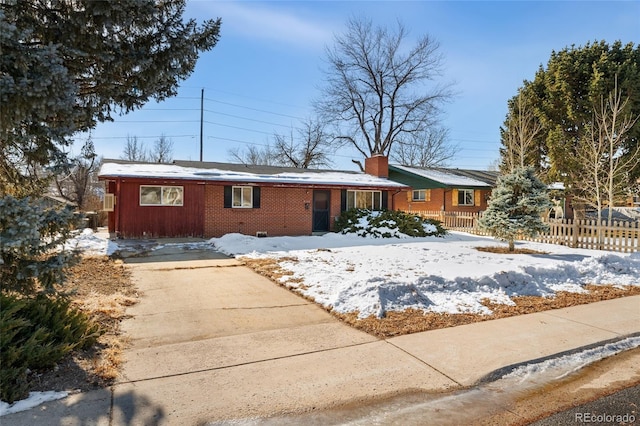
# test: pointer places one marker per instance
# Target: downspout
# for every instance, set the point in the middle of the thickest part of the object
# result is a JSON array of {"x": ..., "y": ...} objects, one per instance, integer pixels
[
  {"x": 117, "y": 218},
  {"x": 393, "y": 200},
  {"x": 444, "y": 201}
]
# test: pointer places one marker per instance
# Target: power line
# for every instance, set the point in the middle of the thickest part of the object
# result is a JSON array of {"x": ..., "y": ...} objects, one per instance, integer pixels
[
  {"x": 266, "y": 145},
  {"x": 245, "y": 96},
  {"x": 250, "y": 119},
  {"x": 239, "y": 128},
  {"x": 159, "y": 121},
  {"x": 254, "y": 109}
]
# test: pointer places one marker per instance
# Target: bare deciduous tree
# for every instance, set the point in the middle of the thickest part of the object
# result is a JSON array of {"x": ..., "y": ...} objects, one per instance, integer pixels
[
  {"x": 252, "y": 155},
  {"x": 603, "y": 161},
  {"x": 162, "y": 151},
  {"x": 425, "y": 149},
  {"x": 377, "y": 89},
  {"x": 519, "y": 135},
  {"x": 77, "y": 179},
  {"x": 310, "y": 150},
  {"x": 134, "y": 150}
]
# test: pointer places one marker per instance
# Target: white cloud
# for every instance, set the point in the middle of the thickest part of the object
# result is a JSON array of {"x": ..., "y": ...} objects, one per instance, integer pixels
[{"x": 257, "y": 21}]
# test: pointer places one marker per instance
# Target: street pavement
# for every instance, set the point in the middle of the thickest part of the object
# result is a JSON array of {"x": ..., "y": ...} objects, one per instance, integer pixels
[
  {"x": 212, "y": 341},
  {"x": 620, "y": 408}
]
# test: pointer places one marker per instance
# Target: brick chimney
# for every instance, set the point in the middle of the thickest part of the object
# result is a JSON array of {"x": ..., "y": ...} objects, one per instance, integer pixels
[{"x": 377, "y": 165}]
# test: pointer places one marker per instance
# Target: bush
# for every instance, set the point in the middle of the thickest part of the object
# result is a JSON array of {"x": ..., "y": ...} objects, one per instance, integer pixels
[
  {"x": 387, "y": 224},
  {"x": 31, "y": 235},
  {"x": 36, "y": 333}
]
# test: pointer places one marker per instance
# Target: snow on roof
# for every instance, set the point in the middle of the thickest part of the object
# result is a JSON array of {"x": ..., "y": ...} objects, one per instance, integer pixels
[
  {"x": 280, "y": 176},
  {"x": 556, "y": 185},
  {"x": 445, "y": 178}
]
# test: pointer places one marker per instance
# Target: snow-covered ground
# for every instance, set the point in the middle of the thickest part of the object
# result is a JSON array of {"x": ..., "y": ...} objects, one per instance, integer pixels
[
  {"x": 349, "y": 273},
  {"x": 90, "y": 243},
  {"x": 34, "y": 399},
  {"x": 372, "y": 276}
]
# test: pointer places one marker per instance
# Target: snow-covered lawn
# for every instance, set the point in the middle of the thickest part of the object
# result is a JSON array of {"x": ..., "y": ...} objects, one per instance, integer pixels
[
  {"x": 349, "y": 273},
  {"x": 372, "y": 275},
  {"x": 443, "y": 275}
]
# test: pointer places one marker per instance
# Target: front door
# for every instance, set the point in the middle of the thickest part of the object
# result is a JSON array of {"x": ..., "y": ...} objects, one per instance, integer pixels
[{"x": 321, "y": 204}]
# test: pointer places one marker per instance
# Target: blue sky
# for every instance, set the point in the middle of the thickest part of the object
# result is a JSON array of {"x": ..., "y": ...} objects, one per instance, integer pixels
[{"x": 266, "y": 69}]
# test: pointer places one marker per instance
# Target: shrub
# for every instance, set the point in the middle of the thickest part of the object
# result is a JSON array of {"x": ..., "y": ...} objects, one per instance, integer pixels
[
  {"x": 36, "y": 333},
  {"x": 31, "y": 235},
  {"x": 387, "y": 224},
  {"x": 516, "y": 206}
]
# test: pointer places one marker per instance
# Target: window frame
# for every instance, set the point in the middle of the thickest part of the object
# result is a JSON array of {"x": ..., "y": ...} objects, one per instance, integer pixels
[
  {"x": 161, "y": 201},
  {"x": 425, "y": 192},
  {"x": 243, "y": 190},
  {"x": 352, "y": 199},
  {"x": 462, "y": 195}
]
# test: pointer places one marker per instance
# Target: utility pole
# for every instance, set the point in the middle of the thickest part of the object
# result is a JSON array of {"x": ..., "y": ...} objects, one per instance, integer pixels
[{"x": 201, "y": 119}]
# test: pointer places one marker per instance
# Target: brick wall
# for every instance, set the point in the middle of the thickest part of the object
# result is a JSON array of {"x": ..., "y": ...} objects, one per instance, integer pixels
[
  {"x": 441, "y": 199},
  {"x": 378, "y": 166},
  {"x": 283, "y": 211}
]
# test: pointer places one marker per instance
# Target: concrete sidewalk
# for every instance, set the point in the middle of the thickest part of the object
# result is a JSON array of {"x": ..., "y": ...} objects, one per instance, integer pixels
[{"x": 214, "y": 341}]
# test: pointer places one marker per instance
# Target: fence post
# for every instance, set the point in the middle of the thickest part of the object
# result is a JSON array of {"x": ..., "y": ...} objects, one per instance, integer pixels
[{"x": 574, "y": 233}]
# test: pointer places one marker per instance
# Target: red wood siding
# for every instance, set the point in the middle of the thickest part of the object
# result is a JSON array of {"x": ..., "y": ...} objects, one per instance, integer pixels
[{"x": 134, "y": 220}]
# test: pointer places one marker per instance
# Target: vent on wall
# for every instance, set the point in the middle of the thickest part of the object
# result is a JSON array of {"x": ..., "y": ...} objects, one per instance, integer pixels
[
  {"x": 109, "y": 202},
  {"x": 261, "y": 234}
]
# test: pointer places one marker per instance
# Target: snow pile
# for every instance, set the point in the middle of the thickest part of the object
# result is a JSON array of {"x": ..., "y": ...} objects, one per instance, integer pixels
[
  {"x": 568, "y": 364},
  {"x": 90, "y": 243},
  {"x": 433, "y": 274},
  {"x": 34, "y": 399}
]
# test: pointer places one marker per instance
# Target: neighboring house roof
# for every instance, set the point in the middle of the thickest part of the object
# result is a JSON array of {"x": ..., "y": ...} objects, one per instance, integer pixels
[
  {"x": 556, "y": 185},
  {"x": 418, "y": 177},
  {"x": 54, "y": 200},
  {"x": 240, "y": 173}
]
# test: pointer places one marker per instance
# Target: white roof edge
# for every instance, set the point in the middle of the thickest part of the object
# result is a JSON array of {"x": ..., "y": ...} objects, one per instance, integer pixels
[{"x": 172, "y": 171}]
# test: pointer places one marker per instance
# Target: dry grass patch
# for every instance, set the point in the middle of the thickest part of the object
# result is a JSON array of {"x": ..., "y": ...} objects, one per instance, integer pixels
[
  {"x": 562, "y": 299},
  {"x": 414, "y": 321},
  {"x": 102, "y": 288},
  {"x": 269, "y": 267},
  {"x": 505, "y": 250},
  {"x": 407, "y": 322}
]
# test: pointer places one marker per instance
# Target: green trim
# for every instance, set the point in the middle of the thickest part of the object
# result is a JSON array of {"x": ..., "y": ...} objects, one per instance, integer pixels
[
  {"x": 413, "y": 180},
  {"x": 420, "y": 182}
]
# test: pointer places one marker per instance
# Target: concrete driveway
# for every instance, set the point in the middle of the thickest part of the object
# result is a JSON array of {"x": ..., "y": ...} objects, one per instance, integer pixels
[{"x": 212, "y": 340}]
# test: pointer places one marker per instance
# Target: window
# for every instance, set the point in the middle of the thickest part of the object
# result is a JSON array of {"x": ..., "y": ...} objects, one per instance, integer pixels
[
  {"x": 465, "y": 197},
  {"x": 109, "y": 202},
  {"x": 161, "y": 195},
  {"x": 421, "y": 195},
  {"x": 242, "y": 197},
  {"x": 371, "y": 200}
]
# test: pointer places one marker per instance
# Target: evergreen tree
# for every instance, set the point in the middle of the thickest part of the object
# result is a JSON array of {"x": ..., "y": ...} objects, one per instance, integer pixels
[
  {"x": 30, "y": 237},
  {"x": 516, "y": 206},
  {"x": 68, "y": 64},
  {"x": 561, "y": 98}
]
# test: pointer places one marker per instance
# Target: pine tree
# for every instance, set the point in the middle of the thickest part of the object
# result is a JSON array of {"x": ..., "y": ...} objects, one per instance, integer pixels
[
  {"x": 516, "y": 206},
  {"x": 67, "y": 65}
]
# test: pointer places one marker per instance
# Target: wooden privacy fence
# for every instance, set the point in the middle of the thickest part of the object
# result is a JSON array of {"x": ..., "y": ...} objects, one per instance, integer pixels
[{"x": 579, "y": 233}]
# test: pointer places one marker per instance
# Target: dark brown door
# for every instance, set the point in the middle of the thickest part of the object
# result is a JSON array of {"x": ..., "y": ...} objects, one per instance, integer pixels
[{"x": 321, "y": 210}]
